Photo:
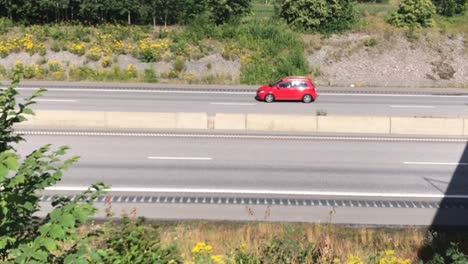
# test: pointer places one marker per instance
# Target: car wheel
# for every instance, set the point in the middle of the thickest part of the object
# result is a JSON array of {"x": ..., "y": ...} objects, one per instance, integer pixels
[
  {"x": 269, "y": 98},
  {"x": 307, "y": 99}
]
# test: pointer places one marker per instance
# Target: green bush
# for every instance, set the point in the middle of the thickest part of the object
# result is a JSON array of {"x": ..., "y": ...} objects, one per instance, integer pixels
[
  {"x": 291, "y": 248},
  {"x": 371, "y": 42},
  {"x": 414, "y": 13},
  {"x": 223, "y": 11},
  {"x": 150, "y": 76},
  {"x": 452, "y": 256},
  {"x": 24, "y": 238},
  {"x": 179, "y": 64},
  {"x": 451, "y": 7},
  {"x": 135, "y": 242},
  {"x": 326, "y": 16},
  {"x": 5, "y": 25}
]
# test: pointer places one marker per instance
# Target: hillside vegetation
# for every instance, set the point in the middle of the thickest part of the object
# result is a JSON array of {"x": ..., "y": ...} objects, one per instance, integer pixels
[{"x": 209, "y": 42}]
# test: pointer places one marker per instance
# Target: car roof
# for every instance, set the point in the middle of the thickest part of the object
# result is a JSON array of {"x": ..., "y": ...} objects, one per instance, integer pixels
[{"x": 297, "y": 77}]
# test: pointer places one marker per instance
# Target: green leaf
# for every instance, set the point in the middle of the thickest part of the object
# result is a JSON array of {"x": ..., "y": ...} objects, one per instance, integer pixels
[
  {"x": 56, "y": 231},
  {"x": 4, "y": 241},
  {"x": 3, "y": 172},
  {"x": 28, "y": 111},
  {"x": 11, "y": 162},
  {"x": 68, "y": 220},
  {"x": 45, "y": 243}
]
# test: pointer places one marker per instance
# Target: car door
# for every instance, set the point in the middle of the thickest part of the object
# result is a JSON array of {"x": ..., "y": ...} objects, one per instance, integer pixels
[
  {"x": 284, "y": 91},
  {"x": 297, "y": 90}
]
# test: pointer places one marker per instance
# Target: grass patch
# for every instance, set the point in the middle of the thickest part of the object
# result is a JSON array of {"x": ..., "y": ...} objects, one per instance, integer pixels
[{"x": 241, "y": 242}]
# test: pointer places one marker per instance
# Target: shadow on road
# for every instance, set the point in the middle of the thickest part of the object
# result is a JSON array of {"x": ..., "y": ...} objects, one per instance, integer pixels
[{"x": 450, "y": 223}]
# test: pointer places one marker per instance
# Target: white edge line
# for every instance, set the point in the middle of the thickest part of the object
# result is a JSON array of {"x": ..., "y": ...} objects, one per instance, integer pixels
[
  {"x": 264, "y": 192},
  {"x": 56, "y": 100},
  {"x": 138, "y": 91},
  {"x": 180, "y": 158},
  {"x": 412, "y": 106},
  {"x": 233, "y": 104},
  {"x": 434, "y": 163}
]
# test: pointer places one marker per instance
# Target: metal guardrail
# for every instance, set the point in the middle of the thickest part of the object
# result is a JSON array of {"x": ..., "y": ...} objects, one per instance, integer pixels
[
  {"x": 165, "y": 199},
  {"x": 230, "y": 89}
]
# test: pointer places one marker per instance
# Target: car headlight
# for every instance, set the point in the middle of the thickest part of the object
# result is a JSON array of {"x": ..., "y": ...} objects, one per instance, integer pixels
[{"x": 261, "y": 92}]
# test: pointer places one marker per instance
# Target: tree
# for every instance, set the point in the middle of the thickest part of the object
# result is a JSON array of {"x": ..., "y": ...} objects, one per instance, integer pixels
[
  {"x": 414, "y": 13},
  {"x": 327, "y": 16},
  {"x": 127, "y": 7},
  {"x": 451, "y": 7},
  {"x": 23, "y": 237},
  {"x": 223, "y": 11}
]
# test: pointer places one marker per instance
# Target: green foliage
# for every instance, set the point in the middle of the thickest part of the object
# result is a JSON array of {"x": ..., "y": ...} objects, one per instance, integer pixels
[
  {"x": 13, "y": 112},
  {"x": 326, "y": 16},
  {"x": 122, "y": 11},
  {"x": 371, "y": 42},
  {"x": 414, "y": 13},
  {"x": 451, "y": 7},
  {"x": 23, "y": 237},
  {"x": 223, "y": 11},
  {"x": 268, "y": 49},
  {"x": 150, "y": 76},
  {"x": 135, "y": 242},
  {"x": 5, "y": 24},
  {"x": 292, "y": 248},
  {"x": 453, "y": 255}
]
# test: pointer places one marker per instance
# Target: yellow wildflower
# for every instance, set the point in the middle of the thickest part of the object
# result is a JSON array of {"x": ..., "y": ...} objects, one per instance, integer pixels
[{"x": 217, "y": 259}]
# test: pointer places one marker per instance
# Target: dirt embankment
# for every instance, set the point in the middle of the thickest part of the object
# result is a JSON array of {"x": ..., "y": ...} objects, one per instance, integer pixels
[
  {"x": 430, "y": 60},
  {"x": 365, "y": 60}
]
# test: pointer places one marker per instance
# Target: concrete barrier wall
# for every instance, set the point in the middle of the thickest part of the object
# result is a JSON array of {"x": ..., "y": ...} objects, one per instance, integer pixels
[
  {"x": 255, "y": 122},
  {"x": 65, "y": 119},
  {"x": 354, "y": 124},
  {"x": 141, "y": 120},
  {"x": 230, "y": 121},
  {"x": 465, "y": 127},
  {"x": 287, "y": 123},
  {"x": 427, "y": 126},
  {"x": 191, "y": 121}
]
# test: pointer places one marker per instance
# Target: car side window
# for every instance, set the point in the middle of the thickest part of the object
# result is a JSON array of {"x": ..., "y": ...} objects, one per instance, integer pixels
[{"x": 285, "y": 85}]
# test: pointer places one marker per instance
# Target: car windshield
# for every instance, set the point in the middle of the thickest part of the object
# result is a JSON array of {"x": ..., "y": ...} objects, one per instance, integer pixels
[{"x": 275, "y": 83}]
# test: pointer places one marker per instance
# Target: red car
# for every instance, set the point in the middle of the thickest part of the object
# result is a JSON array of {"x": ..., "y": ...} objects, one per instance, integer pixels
[{"x": 289, "y": 88}]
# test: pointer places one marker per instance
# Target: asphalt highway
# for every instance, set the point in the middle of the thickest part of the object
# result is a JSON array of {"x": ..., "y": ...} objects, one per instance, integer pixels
[
  {"x": 231, "y": 101},
  {"x": 348, "y": 180},
  {"x": 402, "y": 167}
]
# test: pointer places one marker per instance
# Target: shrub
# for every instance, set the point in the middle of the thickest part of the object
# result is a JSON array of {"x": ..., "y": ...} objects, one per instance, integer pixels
[
  {"x": 150, "y": 76},
  {"x": 94, "y": 54},
  {"x": 55, "y": 66},
  {"x": 77, "y": 49},
  {"x": 135, "y": 242},
  {"x": 179, "y": 64},
  {"x": 151, "y": 51},
  {"x": 414, "y": 13},
  {"x": 25, "y": 238},
  {"x": 132, "y": 71},
  {"x": 451, "y": 7},
  {"x": 5, "y": 25},
  {"x": 106, "y": 62},
  {"x": 371, "y": 42},
  {"x": 326, "y": 16},
  {"x": 223, "y": 11},
  {"x": 289, "y": 250}
]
